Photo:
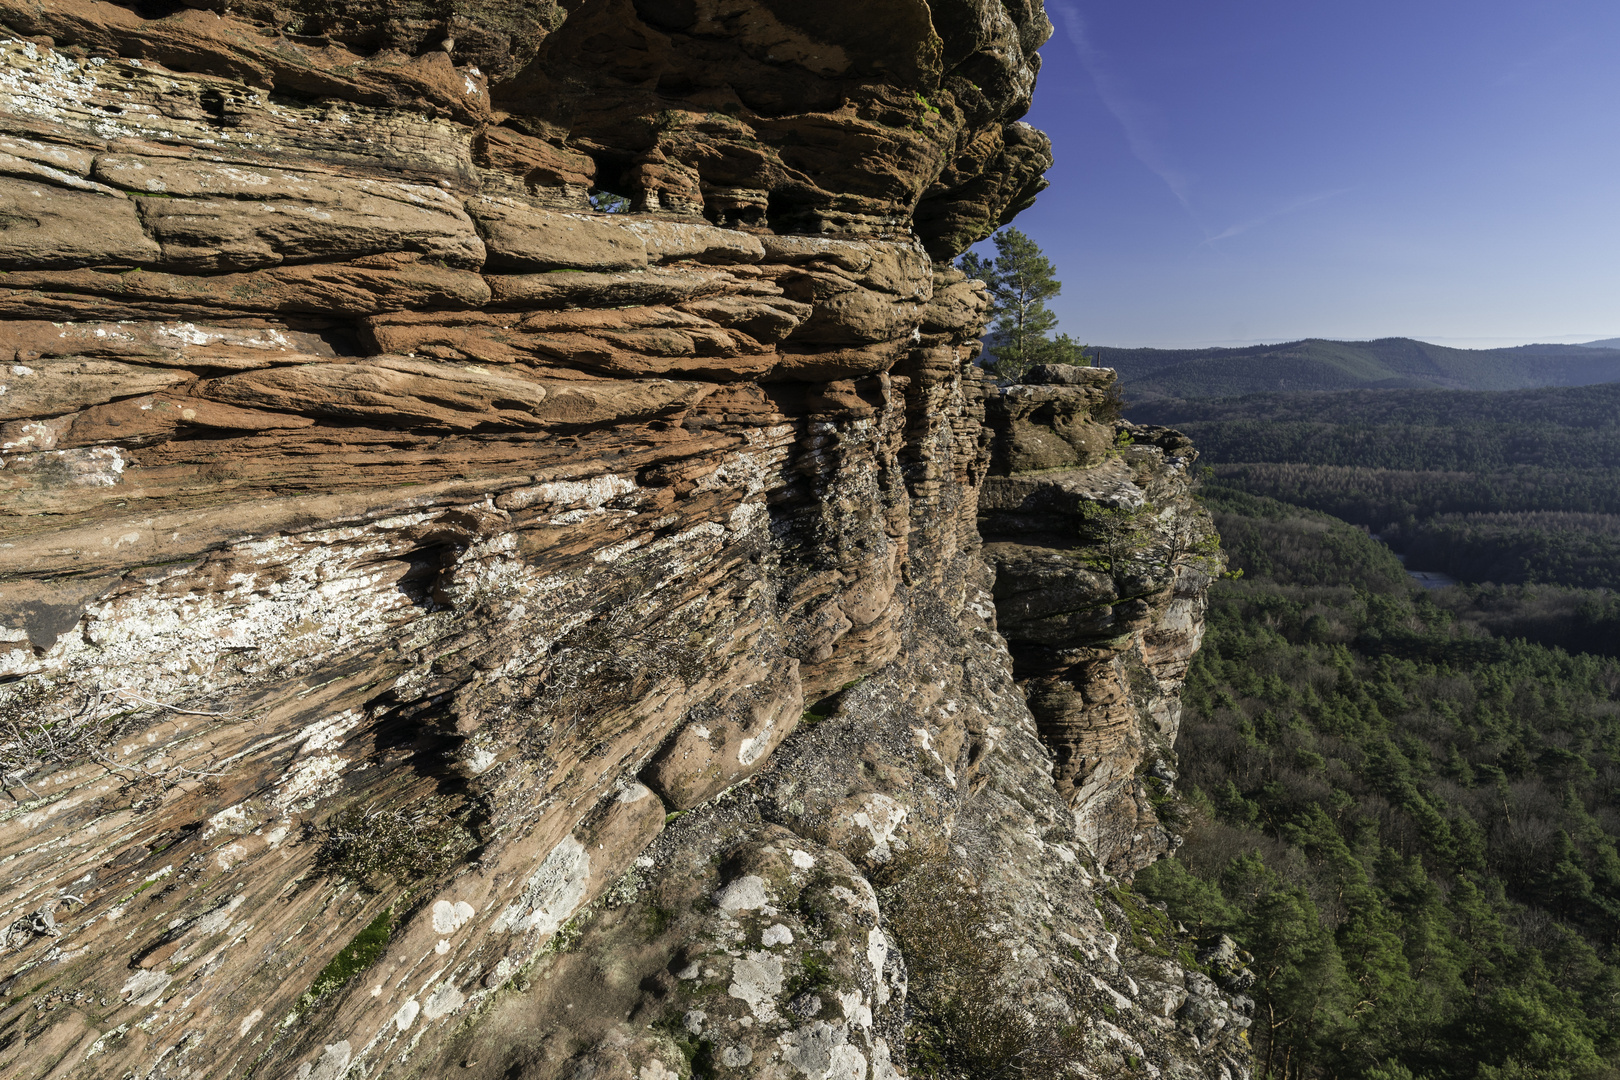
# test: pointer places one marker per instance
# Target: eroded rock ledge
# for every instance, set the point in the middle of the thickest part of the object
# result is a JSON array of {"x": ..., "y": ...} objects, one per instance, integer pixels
[
  {"x": 1102, "y": 565},
  {"x": 391, "y": 544}
]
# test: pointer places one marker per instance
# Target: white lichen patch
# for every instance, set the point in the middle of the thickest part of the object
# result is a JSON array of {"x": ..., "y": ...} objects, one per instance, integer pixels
[
  {"x": 861, "y": 897},
  {"x": 562, "y": 495},
  {"x": 332, "y": 1064},
  {"x": 882, "y": 1062},
  {"x": 308, "y": 781},
  {"x": 231, "y": 854},
  {"x": 552, "y": 892},
  {"x": 756, "y": 979},
  {"x": 287, "y": 600},
  {"x": 406, "y": 1015},
  {"x": 754, "y": 747},
  {"x": 238, "y": 820},
  {"x": 748, "y": 517},
  {"x": 821, "y": 1051},
  {"x": 328, "y": 733},
  {"x": 747, "y": 893},
  {"x": 880, "y": 818},
  {"x": 443, "y": 1001},
  {"x": 877, "y": 954},
  {"x": 449, "y": 917},
  {"x": 145, "y": 987},
  {"x": 856, "y": 1012}
]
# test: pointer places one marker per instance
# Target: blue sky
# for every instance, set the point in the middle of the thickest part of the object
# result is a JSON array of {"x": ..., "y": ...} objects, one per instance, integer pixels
[{"x": 1266, "y": 170}]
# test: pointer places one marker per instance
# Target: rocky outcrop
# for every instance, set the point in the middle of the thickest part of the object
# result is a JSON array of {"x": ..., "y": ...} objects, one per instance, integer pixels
[
  {"x": 1102, "y": 561},
  {"x": 444, "y": 626}
]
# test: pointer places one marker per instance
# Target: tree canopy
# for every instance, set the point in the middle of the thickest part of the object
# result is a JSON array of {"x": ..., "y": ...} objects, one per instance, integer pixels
[
  {"x": 1408, "y": 822},
  {"x": 1021, "y": 280}
]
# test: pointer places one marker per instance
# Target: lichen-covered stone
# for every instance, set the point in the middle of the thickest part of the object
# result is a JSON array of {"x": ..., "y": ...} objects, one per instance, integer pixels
[
  {"x": 391, "y": 542},
  {"x": 1102, "y": 560}
]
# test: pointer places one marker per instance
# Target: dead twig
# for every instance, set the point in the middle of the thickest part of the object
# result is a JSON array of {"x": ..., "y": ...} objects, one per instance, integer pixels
[{"x": 133, "y": 696}]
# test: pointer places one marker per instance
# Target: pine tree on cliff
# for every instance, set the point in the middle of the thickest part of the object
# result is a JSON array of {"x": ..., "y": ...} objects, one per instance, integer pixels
[{"x": 1021, "y": 281}]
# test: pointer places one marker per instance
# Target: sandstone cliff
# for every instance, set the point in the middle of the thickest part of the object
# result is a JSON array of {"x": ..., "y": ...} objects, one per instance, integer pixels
[{"x": 447, "y": 629}]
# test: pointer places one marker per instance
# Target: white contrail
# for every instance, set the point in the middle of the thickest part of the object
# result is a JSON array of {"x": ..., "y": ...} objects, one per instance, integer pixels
[
  {"x": 1138, "y": 119},
  {"x": 1287, "y": 208}
]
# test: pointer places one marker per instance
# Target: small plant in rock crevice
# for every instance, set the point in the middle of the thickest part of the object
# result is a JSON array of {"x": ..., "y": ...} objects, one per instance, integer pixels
[
  {"x": 964, "y": 1024},
  {"x": 815, "y": 973},
  {"x": 372, "y": 845},
  {"x": 41, "y": 726},
  {"x": 696, "y": 1051}
]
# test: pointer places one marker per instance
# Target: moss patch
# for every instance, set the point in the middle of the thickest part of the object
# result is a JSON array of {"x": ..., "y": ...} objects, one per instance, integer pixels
[
  {"x": 1153, "y": 932},
  {"x": 351, "y": 960}
]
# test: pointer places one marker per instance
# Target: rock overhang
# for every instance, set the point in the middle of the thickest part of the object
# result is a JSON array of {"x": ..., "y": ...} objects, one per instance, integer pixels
[{"x": 357, "y": 468}]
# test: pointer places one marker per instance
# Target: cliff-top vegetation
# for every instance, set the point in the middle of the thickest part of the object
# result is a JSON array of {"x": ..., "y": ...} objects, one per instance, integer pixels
[{"x": 1021, "y": 280}]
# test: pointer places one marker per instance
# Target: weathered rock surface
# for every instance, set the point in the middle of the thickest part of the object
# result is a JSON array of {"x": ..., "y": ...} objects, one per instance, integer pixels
[
  {"x": 390, "y": 543},
  {"x": 1102, "y": 562}
]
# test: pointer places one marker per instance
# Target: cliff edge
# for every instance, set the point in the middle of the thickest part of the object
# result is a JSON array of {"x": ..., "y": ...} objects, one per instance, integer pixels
[{"x": 490, "y": 564}]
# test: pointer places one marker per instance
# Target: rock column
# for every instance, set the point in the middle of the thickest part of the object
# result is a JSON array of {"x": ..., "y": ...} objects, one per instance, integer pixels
[{"x": 1102, "y": 558}]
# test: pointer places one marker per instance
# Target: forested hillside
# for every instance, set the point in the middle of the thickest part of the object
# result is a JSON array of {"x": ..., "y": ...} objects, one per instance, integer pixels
[
  {"x": 1518, "y": 487},
  {"x": 1317, "y": 364},
  {"x": 1408, "y": 820}
]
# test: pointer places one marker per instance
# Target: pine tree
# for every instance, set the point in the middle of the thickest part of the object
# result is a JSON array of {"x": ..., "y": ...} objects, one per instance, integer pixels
[{"x": 1021, "y": 280}]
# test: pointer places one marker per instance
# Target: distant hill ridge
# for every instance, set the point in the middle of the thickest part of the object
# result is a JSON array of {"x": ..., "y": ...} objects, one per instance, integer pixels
[{"x": 1388, "y": 363}]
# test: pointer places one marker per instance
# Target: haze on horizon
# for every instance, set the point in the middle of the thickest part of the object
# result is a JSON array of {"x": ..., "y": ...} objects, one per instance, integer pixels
[{"x": 1265, "y": 171}]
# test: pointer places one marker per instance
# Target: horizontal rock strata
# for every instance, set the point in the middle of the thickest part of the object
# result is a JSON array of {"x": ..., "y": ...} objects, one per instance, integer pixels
[
  {"x": 1102, "y": 564},
  {"x": 431, "y": 604}
]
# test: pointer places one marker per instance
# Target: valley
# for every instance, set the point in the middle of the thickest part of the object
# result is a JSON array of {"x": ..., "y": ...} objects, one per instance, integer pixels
[{"x": 1399, "y": 794}]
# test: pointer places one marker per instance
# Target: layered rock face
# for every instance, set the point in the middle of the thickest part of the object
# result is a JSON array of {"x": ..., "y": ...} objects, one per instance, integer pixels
[
  {"x": 1102, "y": 562},
  {"x": 392, "y": 545}
]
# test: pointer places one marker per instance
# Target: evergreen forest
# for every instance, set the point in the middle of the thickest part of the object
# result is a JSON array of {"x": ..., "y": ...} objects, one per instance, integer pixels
[
  {"x": 1511, "y": 488},
  {"x": 1410, "y": 822},
  {"x": 1405, "y": 803}
]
